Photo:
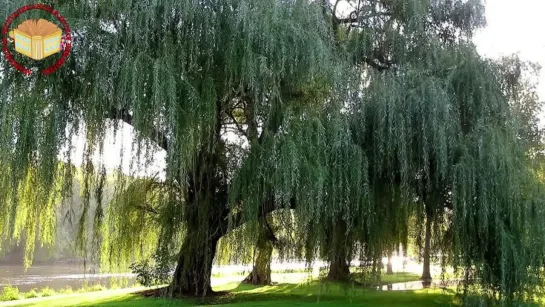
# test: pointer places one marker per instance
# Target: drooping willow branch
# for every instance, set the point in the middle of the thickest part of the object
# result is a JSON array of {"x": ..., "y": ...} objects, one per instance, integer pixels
[{"x": 156, "y": 136}]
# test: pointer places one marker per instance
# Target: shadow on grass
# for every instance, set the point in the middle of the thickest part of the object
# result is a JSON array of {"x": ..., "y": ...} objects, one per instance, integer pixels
[
  {"x": 325, "y": 294},
  {"x": 317, "y": 294},
  {"x": 385, "y": 279}
]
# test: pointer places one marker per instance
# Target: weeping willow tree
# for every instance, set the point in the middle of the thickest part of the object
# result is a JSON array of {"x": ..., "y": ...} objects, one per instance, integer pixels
[
  {"x": 266, "y": 105},
  {"x": 440, "y": 135},
  {"x": 384, "y": 37},
  {"x": 518, "y": 83},
  {"x": 443, "y": 130},
  {"x": 177, "y": 72}
]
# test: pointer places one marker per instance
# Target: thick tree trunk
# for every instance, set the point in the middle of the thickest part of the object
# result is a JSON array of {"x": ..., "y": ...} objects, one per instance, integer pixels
[
  {"x": 389, "y": 269},
  {"x": 339, "y": 269},
  {"x": 204, "y": 217},
  {"x": 206, "y": 212},
  {"x": 194, "y": 269},
  {"x": 261, "y": 272},
  {"x": 426, "y": 273}
]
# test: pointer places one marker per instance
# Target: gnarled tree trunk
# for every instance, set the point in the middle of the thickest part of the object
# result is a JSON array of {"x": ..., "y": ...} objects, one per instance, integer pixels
[
  {"x": 194, "y": 269},
  {"x": 206, "y": 224},
  {"x": 338, "y": 268},
  {"x": 261, "y": 272},
  {"x": 205, "y": 216}
]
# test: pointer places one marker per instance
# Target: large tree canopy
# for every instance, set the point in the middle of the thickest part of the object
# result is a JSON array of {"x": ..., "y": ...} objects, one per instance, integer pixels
[
  {"x": 353, "y": 120},
  {"x": 178, "y": 72}
]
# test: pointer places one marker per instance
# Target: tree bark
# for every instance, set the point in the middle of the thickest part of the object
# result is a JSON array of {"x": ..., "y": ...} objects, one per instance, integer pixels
[
  {"x": 426, "y": 273},
  {"x": 205, "y": 216},
  {"x": 389, "y": 269},
  {"x": 194, "y": 269},
  {"x": 261, "y": 271},
  {"x": 339, "y": 269}
]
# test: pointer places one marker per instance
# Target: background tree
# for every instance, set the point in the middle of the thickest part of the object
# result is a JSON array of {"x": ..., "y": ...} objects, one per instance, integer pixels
[
  {"x": 383, "y": 36},
  {"x": 457, "y": 132},
  {"x": 266, "y": 240}
]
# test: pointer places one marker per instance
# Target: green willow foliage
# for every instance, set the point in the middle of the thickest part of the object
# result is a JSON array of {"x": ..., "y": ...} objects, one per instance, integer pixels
[
  {"x": 348, "y": 123},
  {"x": 174, "y": 71},
  {"x": 451, "y": 129}
]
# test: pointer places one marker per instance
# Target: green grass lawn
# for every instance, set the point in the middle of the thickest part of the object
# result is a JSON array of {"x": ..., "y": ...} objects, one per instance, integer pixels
[{"x": 312, "y": 294}]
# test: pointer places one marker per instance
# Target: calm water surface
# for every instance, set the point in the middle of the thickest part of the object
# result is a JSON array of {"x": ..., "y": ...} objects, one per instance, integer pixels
[{"x": 58, "y": 277}]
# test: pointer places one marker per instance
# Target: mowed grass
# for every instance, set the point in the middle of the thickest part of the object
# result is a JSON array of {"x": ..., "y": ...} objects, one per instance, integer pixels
[{"x": 311, "y": 294}]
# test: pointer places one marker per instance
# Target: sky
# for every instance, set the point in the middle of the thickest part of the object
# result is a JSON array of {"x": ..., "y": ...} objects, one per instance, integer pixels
[
  {"x": 515, "y": 26},
  {"x": 510, "y": 29}
]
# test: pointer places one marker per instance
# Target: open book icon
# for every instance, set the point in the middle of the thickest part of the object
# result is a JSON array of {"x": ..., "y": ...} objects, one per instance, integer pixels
[{"x": 37, "y": 39}]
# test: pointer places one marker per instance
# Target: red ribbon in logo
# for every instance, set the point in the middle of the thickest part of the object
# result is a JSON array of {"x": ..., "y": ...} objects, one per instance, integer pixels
[{"x": 67, "y": 38}]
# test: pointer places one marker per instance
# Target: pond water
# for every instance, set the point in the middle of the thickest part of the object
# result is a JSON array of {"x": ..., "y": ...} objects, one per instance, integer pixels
[
  {"x": 71, "y": 275},
  {"x": 58, "y": 277}
]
